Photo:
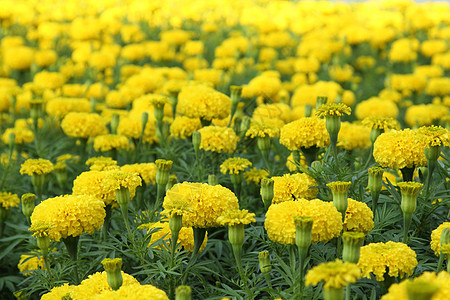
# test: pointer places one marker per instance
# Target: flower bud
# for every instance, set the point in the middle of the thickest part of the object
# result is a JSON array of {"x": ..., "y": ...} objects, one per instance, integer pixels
[
  {"x": 212, "y": 179},
  {"x": 409, "y": 191},
  {"x": 308, "y": 110},
  {"x": 245, "y": 125},
  {"x": 114, "y": 123},
  {"x": 303, "y": 229},
  {"x": 263, "y": 144},
  {"x": 340, "y": 199},
  {"x": 432, "y": 153},
  {"x": 28, "y": 204},
  {"x": 196, "y": 140},
  {"x": 172, "y": 181},
  {"x": 175, "y": 224},
  {"x": 113, "y": 272},
  {"x": 183, "y": 292},
  {"x": 333, "y": 125},
  {"x": 352, "y": 246},
  {"x": 264, "y": 262},
  {"x": 236, "y": 234},
  {"x": 445, "y": 236},
  {"x": 375, "y": 179},
  {"x": 267, "y": 191},
  {"x": 163, "y": 168},
  {"x": 123, "y": 197},
  {"x": 144, "y": 120},
  {"x": 374, "y": 134}
]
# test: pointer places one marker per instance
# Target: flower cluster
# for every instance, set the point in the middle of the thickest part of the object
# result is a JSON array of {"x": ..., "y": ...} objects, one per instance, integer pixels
[
  {"x": 234, "y": 165},
  {"x": 293, "y": 187},
  {"x": 304, "y": 133}
]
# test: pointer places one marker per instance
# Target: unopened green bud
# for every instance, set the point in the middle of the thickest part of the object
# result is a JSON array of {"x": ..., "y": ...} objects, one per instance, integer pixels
[
  {"x": 236, "y": 179},
  {"x": 303, "y": 229},
  {"x": 28, "y": 204},
  {"x": 375, "y": 179},
  {"x": 163, "y": 168},
  {"x": 245, "y": 125},
  {"x": 409, "y": 190},
  {"x": 196, "y": 140},
  {"x": 175, "y": 223},
  {"x": 43, "y": 243},
  {"x": 340, "y": 199},
  {"x": 183, "y": 292},
  {"x": 236, "y": 234},
  {"x": 113, "y": 272},
  {"x": 445, "y": 236},
  {"x": 235, "y": 96},
  {"x": 432, "y": 153},
  {"x": 267, "y": 191},
  {"x": 420, "y": 289},
  {"x": 172, "y": 180},
  {"x": 212, "y": 179},
  {"x": 374, "y": 134},
  {"x": 333, "y": 125},
  {"x": 114, "y": 123},
  {"x": 352, "y": 246},
  {"x": 264, "y": 262},
  {"x": 144, "y": 120},
  {"x": 263, "y": 144},
  {"x": 308, "y": 110},
  {"x": 123, "y": 197}
]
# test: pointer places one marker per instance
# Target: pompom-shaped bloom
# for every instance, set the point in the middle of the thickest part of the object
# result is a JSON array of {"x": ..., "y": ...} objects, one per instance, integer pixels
[
  {"x": 304, "y": 133},
  {"x": 60, "y": 107},
  {"x": 255, "y": 175},
  {"x": 161, "y": 230},
  {"x": 440, "y": 283},
  {"x": 353, "y": 136},
  {"x": 262, "y": 129},
  {"x": 36, "y": 167},
  {"x": 30, "y": 263},
  {"x": 182, "y": 127},
  {"x": 203, "y": 102},
  {"x": 106, "y": 142},
  {"x": 293, "y": 187},
  {"x": 83, "y": 125},
  {"x": 57, "y": 293},
  {"x": 395, "y": 258},
  {"x": 280, "y": 225},
  {"x": 376, "y": 107},
  {"x": 131, "y": 127},
  {"x": 93, "y": 183},
  {"x": 436, "y": 237},
  {"x": 425, "y": 114},
  {"x": 278, "y": 111},
  {"x": 236, "y": 217},
  {"x": 383, "y": 123},
  {"x": 18, "y": 58},
  {"x": 70, "y": 215},
  {"x": 22, "y": 135},
  {"x": 399, "y": 149},
  {"x": 358, "y": 217},
  {"x": 434, "y": 135},
  {"x": 234, "y": 165},
  {"x": 8, "y": 200},
  {"x": 208, "y": 202},
  {"x": 266, "y": 86},
  {"x": 335, "y": 274},
  {"x": 134, "y": 291},
  {"x": 218, "y": 139},
  {"x": 333, "y": 110},
  {"x": 101, "y": 163},
  {"x": 147, "y": 171},
  {"x": 117, "y": 179}
]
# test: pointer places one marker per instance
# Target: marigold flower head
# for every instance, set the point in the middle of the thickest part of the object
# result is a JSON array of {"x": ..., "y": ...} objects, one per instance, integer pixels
[
  {"x": 36, "y": 167},
  {"x": 41, "y": 228},
  {"x": 21, "y": 135},
  {"x": 182, "y": 127},
  {"x": 58, "y": 292},
  {"x": 218, "y": 139},
  {"x": 383, "y": 123},
  {"x": 255, "y": 175},
  {"x": 100, "y": 163},
  {"x": 400, "y": 149},
  {"x": 280, "y": 225},
  {"x": 278, "y": 111},
  {"x": 117, "y": 179},
  {"x": 353, "y": 136},
  {"x": 175, "y": 205},
  {"x": 438, "y": 282},
  {"x": 61, "y": 106},
  {"x": 425, "y": 114},
  {"x": 304, "y": 133},
  {"x": 70, "y": 215},
  {"x": 395, "y": 258},
  {"x": 30, "y": 263},
  {"x": 236, "y": 217},
  {"x": 376, "y": 107},
  {"x": 293, "y": 187},
  {"x": 262, "y": 129},
  {"x": 8, "y": 200},
  {"x": 333, "y": 110},
  {"x": 83, "y": 125},
  {"x": 106, "y": 142},
  {"x": 335, "y": 274},
  {"x": 208, "y": 202},
  {"x": 434, "y": 135},
  {"x": 436, "y": 237},
  {"x": 358, "y": 217},
  {"x": 234, "y": 165},
  {"x": 203, "y": 102},
  {"x": 147, "y": 171},
  {"x": 134, "y": 291}
]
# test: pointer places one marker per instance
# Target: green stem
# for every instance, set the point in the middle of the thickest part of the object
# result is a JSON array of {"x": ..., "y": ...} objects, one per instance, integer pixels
[
  {"x": 125, "y": 219},
  {"x": 159, "y": 196},
  {"x": 348, "y": 292},
  {"x": 303, "y": 254},
  {"x": 47, "y": 266},
  {"x": 407, "y": 219},
  {"x": 440, "y": 262},
  {"x": 199, "y": 237},
  {"x": 237, "y": 251},
  {"x": 292, "y": 259},
  {"x": 107, "y": 222},
  {"x": 369, "y": 159},
  {"x": 72, "y": 248}
]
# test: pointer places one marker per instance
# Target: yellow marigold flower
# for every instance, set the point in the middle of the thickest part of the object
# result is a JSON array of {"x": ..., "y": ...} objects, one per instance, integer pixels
[
  {"x": 182, "y": 127},
  {"x": 431, "y": 47},
  {"x": 18, "y": 58},
  {"x": 333, "y": 110},
  {"x": 293, "y": 187},
  {"x": 291, "y": 165},
  {"x": 218, "y": 139},
  {"x": 100, "y": 163},
  {"x": 352, "y": 136},
  {"x": 58, "y": 292},
  {"x": 395, "y": 258},
  {"x": 70, "y": 215},
  {"x": 93, "y": 183},
  {"x": 383, "y": 123},
  {"x": 234, "y": 165},
  {"x": 68, "y": 157},
  {"x": 279, "y": 111},
  {"x": 106, "y": 142},
  {"x": 376, "y": 107},
  {"x": 22, "y": 135},
  {"x": 60, "y": 107},
  {"x": 8, "y": 200},
  {"x": 307, "y": 94},
  {"x": 304, "y": 133},
  {"x": 425, "y": 114},
  {"x": 358, "y": 217},
  {"x": 341, "y": 74},
  {"x": 147, "y": 171},
  {"x": 203, "y": 102},
  {"x": 131, "y": 127},
  {"x": 263, "y": 85},
  {"x": 208, "y": 202},
  {"x": 83, "y": 125},
  {"x": 399, "y": 149},
  {"x": 134, "y": 291},
  {"x": 404, "y": 50},
  {"x": 436, "y": 237},
  {"x": 255, "y": 175},
  {"x": 117, "y": 179},
  {"x": 30, "y": 263},
  {"x": 97, "y": 284},
  {"x": 174, "y": 206},
  {"x": 262, "y": 129},
  {"x": 212, "y": 76},
  {"x": 434, "y": 135},
  {"x": 280, "y": 225},
  {"x": 36, "y": 167},
  {"x": 161, "y": 230},
  {"x": 236, "y": 217},
  {"x": 335, "y": 274},
  {"x": 49, "y": 80},
  {"x": 438, "y": 86},
  {"x": 440, "y": 282}
]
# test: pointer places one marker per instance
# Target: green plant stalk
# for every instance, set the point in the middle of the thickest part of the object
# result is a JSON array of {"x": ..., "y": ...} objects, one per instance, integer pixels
[
  {"x": 407, "y": 219},
  {"x": 333, "y": 294},
  {"x": 431, "y": 167},
  {"x": 369, "y": 159},
  {"x": 125, "y": 219},
  {"x": 348, "y": 292},
  {"x": 448, "y": 266},
  {"x": 292, "y": 260},
  {"x": 72, "y": 248},
  {"x": 303, "y": 254},
  {"x": 199, "y": 237},
  {"x": 159, "y": 196},
  {"x": 440, "y": 262},
  {"x": 237, "y": 252},
  {"x": 107, "y": 222},
  {"x": 47, "y": 266}
]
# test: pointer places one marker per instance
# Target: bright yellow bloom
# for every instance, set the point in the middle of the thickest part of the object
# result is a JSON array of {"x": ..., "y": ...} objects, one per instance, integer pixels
[
  {"x": 234, "y": 165},
  {"x": 304, "y": 133},
  {"x": 8, "y": 200},
  {"x": 333, "y": 110},
  {"x": 106, "y": 142},
  {"x": 134, "y": 291},
  {"x": 18, "y": 58},
  {"x": 436, "y": 237},
  {"x": 358, "y": 217},
  {"x": 147, "y": 171},
  {"x": 279, "y": 111},
  {"x": 58, "y": 292},
  {"x": 60, "y": 107},
  {"x": 425, "y": 114},
  {"x": 335, "y": 274},
  {"x": 395, "y": 258},
  {"x": 293, "y": 187},
  {"x": 70, "y": 215},
  {"x": 83, "y": 125},
  {"x": 353, "y": 136},
  {"x": 182, "y": 127},
  {"x": 236, "y": 217},
  {"x": 383, "y": 123},
  {"x": 218, "y": 139},
  {"x": 261, "y": 129},
  {"x": 36, "y": 167},
  {"x": 376, "y": 107},
  {"x": 280, "y": 225},
  {"x": 22, "y": 135},
  {"x": 30, "y": 263},
  {"x": 255, "y": 175},
  {"x": 100, "y": 163}
]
